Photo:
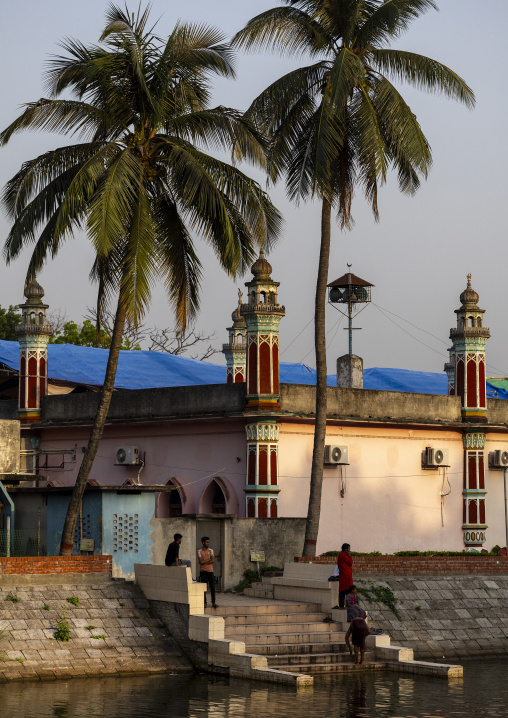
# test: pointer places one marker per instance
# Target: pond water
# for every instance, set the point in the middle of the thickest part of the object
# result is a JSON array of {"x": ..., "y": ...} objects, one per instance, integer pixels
[{"x": 482, "y": 692}]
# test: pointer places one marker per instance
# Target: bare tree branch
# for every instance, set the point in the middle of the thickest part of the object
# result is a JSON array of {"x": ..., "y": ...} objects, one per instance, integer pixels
[{"x": 174, "y": 342}]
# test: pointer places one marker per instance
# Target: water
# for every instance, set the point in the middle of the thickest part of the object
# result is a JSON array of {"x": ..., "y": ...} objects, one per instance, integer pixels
[{"x": 482, "y": 693}]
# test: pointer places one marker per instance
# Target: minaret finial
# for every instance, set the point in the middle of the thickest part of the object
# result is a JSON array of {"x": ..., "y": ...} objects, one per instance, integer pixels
[{"x": 469, "y": 281}]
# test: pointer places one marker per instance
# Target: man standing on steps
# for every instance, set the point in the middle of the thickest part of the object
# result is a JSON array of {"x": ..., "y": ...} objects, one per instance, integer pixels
[{"x": 206, "y": 560}]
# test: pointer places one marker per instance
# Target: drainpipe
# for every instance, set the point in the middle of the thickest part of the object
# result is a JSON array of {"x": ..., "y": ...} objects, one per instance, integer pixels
[
  {"x": 505, "y": 513},
  {"x": 9, "y": 515}
]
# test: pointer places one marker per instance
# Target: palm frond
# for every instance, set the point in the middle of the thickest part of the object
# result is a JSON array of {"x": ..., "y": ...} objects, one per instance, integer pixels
[
  {"x": 424, "y": 74},
  {"x": 110, "y": 205},
  {"x": 68, "y": 117},
  {"x": 179, "y": 263},
  {"x": 389, "y": 19},
  {"x": 286, "y": 30}
]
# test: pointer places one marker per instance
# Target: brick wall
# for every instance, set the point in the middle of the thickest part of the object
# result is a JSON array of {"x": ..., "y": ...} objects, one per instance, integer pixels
[
  {"x": 55, "y": 564},
  {"x": 400, "y": 565}
]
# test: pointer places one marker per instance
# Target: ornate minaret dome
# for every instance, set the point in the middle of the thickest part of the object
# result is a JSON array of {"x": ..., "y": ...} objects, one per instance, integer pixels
[
  {"x": 235, "y": 350},
  {"x": 262, "y": 315},
  {"x": 468, "y": 355},
  {"x": 33, "y": 333}
]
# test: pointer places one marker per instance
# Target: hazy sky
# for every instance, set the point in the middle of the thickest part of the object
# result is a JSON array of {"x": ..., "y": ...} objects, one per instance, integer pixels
[{"x": 417, "y": 256}]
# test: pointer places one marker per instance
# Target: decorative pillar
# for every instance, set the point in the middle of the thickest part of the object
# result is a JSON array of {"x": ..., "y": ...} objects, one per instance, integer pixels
[
  {"x": 468, "y": 355},
  {"x": 33, "y": 333},
  {"x": 262, "y": 316},
  {"x": 467, "y": 379},
  {"x": 236, "y": 349},
  {"x": 449, "y": 368},
  {"x": 473, "y": 512},
  {"x": 262, "y": 482}
]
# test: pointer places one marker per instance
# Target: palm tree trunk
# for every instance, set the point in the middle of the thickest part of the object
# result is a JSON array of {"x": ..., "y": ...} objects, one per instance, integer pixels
[
  {"x": 316, "y": 478},
  {"x": 96, "y": 433}
]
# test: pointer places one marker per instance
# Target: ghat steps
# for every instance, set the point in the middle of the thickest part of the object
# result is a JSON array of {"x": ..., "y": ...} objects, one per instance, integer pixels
[{"x": 292, "y": 636}]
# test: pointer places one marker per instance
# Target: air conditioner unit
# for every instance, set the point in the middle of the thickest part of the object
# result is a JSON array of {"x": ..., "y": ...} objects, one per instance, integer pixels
[
  {"x": 434, "y": 458},
  {"x": 127, "y": 455},
  {"x": 499, "y": 459},
  {"x": 336, "y": 454}
]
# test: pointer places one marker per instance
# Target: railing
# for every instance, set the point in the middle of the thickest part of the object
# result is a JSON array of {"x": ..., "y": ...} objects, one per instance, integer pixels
[{"x": 24, "y": 542}]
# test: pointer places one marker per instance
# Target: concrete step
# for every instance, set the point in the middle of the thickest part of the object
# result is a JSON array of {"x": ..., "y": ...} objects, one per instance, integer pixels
[
  {"x": 283, "y": 649},
  {"x": 324, "y": 668},
  {"x": 287, "y": 629},
  {"x": 296, "y": 659},
  {"x": 269, "y": 639},
  {"x": 276, "y": 618},
  {"x": 264, "y": 609},
  {"x": 264, "y": 592}
]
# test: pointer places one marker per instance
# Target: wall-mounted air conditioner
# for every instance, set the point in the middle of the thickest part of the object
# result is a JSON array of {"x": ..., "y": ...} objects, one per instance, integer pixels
[
  {"x": 127, "y": 455},
  {"x": 499, "y": 459},
  {"x": 434, "y": 458},
  {"x": 336, "y": 454}
]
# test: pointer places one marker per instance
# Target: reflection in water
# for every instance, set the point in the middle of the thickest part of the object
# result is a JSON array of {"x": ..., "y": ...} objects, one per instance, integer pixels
[{"x": 483, "y": 692}]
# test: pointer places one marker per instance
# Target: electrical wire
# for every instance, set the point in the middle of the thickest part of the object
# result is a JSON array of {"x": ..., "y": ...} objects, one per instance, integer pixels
[
  {"x": 298, "y": 335},
  {"x": 445, "y": 475},
  {"x": 383, "y": 309},
  {"x": 409, "y": 333},
  {"x": 282, "y": 476}
]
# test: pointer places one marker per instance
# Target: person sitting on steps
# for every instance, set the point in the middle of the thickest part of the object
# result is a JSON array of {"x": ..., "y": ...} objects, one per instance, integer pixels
[{"x": 173, "y": 553}]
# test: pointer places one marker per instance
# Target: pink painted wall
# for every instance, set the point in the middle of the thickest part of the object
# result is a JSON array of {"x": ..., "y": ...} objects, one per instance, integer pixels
[
  {"x": 191, "y": 453},
  {"x": 390, "y": 502}
]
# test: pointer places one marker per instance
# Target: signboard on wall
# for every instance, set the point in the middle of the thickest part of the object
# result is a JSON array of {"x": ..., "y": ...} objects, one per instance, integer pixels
[{"x": 86, "y": 545}]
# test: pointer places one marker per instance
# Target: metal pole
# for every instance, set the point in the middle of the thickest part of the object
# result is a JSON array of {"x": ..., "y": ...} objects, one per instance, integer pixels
[
  {"x": 39, "y": 532},
  {"x": 350, "y": 318},
  {"x": 8, "y": 537},
  {"x": 505, "y": 513}
]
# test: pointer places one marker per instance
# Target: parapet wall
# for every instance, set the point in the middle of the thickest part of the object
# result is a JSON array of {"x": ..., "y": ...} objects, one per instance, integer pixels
[
  {"x": 370, "y": 405},
  {"x": 147, "y": 404},
  {"x": 409, "y": 565}
]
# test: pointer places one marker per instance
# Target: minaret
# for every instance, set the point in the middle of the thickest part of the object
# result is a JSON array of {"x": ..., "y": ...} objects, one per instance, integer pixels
[
  {"x": 33, "y": 334},
  {"x": 467, "y": 354},
  {"x": 468, "y": 350},
  {"x": 262, "y": 316},
  {"x": 236, "y": 350}
]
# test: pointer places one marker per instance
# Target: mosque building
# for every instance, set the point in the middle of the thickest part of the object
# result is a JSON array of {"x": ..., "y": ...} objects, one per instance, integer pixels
[{"x": 418, "y": 468}]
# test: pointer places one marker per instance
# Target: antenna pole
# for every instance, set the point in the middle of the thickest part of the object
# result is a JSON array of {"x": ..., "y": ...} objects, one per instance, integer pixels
[{"x": 350, "y": 318}]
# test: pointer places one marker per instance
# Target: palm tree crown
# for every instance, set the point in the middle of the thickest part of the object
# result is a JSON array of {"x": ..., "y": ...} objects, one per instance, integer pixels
[
  {"x": 340, "y": 123},
  {"x": 141, "y": 181}
]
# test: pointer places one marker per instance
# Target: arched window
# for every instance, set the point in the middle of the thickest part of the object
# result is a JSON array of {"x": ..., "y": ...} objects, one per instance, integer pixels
[
  {"x": 169, "y": 503},
  {"x": 471, "y": 321},
  {"x": 213, "y": 500},
  {"x": 262, "y": 297},
  {"x": 218, "y": 501}
]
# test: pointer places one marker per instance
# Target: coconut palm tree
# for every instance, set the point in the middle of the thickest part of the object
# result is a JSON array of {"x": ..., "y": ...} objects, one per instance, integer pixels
[
  {"x": 339, "y": 123},
  {"x": 141, "y": 181}
]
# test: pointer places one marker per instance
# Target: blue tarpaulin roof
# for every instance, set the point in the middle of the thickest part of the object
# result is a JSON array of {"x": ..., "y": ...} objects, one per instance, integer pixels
[{"x": 145, "y": 370}]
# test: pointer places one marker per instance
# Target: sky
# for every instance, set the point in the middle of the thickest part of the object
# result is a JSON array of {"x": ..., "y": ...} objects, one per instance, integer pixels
[{"x": 417, "y": 256}]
